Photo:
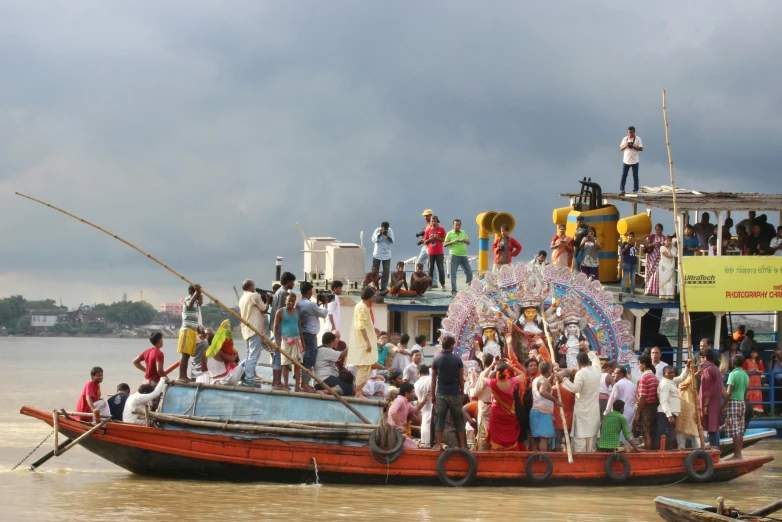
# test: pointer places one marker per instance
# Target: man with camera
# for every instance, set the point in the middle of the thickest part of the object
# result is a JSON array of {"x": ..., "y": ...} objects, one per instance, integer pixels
[
  {"x": 631, "y": 146},
  {"x": 310, "y": 313},
  {"x": 253, "y": 310},
  {"x": 423, "y": 256},
  {"x": 434, "y": 238},
  {"x": 383, "y": 237}
]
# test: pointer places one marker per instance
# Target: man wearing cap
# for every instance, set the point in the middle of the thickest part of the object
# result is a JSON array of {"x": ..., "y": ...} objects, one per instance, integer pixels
[
  {"x": 423, "y": 257},
  {"x": 433, "y": 239}
]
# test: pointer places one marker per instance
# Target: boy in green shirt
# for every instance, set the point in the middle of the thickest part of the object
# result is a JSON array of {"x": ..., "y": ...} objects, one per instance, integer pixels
[
  {"x": 456, "y": 240},
  {"x": 734, "y": 407},
  {"x": 613, "y": 425}
]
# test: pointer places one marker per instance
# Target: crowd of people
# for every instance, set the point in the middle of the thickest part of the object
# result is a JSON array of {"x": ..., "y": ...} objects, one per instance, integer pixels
[{"x": 509, "y": 406}]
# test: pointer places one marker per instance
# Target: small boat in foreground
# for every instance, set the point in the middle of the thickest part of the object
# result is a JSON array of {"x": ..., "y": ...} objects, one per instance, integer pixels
[
  {"x": 674, "y": 510},
  {"x": 257, "y": 440}
]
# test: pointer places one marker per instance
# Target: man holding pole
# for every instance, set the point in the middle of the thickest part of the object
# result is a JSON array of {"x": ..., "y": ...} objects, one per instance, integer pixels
[
  {"x": 586, "y": 412},
  {"x": 191, "y": 327}
]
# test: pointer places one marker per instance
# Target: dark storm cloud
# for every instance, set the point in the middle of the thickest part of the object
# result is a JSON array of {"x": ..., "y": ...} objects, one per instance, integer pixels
[{"x": 205, "y": 133}]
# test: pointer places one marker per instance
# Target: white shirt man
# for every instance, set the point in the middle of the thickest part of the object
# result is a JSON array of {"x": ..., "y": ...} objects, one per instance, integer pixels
[
  {"x": 423, "y": 386},
  {"x": 659, "y": 366},
  {"x": 137, "y": 401},
  {"x": 624, "y": 390},
  {"x": 586, "y": 412},
  {"x": 334, "y": 309},
  {"x": 670, "y": 401},
  {"x": 253, "y": 310}
]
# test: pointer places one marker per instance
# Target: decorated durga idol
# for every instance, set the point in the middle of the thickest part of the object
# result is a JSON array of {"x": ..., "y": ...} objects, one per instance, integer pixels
[{"x": 524, "y": 310}]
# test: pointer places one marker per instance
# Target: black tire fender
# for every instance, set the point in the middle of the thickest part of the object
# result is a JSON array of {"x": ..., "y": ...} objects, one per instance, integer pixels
[
  {"x": 617, "y": 457},
  {"x": 689, "y": 465},
  {"x": 386, "y": 456},
  {"x": 539, "y": 457},
  {"x": 471, "y": 472}
]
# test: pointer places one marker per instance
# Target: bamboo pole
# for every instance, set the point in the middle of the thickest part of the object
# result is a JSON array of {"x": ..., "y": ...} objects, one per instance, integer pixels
[
  {"x": 556, "y": 389},
  {"x": 682, "y": 285},
  {"x": 355, "y": 435},
  {"x": 83, "y": 436},
  {"x": 265, "y": 339},
  {"x": 56, "y": 426},
  {"x": 300, "y": 395},
  {"x": 305, "y": 424}
]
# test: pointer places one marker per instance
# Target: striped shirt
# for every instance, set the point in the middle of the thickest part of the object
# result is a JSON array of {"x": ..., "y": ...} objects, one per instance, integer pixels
[
  {"x": 613, "y": 424},
  {"x": 647, "y": 386},
  {"x": 191, "y": 316}
]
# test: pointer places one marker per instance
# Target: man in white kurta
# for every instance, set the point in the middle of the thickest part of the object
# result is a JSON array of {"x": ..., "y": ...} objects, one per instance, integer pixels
[
  {"x": 624, "y": 390},
  {"x": 422, "y": 387},
  {"x": 482, "y": 392},
  {"x": 586, "y": 412}
]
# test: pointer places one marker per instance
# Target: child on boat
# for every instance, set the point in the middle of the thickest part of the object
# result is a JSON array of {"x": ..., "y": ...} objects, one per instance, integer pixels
[{"x": 89, "y": 400}]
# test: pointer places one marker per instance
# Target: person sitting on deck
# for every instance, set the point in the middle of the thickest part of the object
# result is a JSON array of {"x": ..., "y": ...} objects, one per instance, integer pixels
[
  {"x": 399, "y": 282},
  {"x": 373, "y": 279},
  {"x": 615, "y": 424},
  {"x": 117, "y": 401},
  {"x": 197, "y": 360},
  {"x": 326, "y": 366},
  {"x": 153, "y": 358},
  {"x": 221, "y": 359},
  {"x": 401, "y": 409},
  {"x": 89, "y": 400},
  {"x": 420, "y": 281},
  {"x": 775, "y": 245},
  {"x": 146, "y": 394}
]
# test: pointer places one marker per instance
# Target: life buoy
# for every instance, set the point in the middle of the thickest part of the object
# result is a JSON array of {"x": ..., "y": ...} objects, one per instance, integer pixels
[
  {"x": 689, "y": 466},
  {"x": 471, "y": 472},
  {"x": 542, "y": 458},
  {"x": 388, "y": 456},
  {"x": 617, "y": 457}
]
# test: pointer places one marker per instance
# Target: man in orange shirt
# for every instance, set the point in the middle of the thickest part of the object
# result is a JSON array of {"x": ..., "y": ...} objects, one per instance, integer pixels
[{"x": 568, "y": 400}]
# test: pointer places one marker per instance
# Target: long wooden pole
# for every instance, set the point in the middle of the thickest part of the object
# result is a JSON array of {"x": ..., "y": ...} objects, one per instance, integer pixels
[
  {"x": 265, "y": 339},
  {"x": 682, "y": 285},
  {"x": 556, "y": 389}
]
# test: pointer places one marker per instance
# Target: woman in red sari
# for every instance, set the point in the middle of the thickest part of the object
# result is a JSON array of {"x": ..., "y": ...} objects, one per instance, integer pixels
[
  {"x": 563, "y": 247},
  {"x": 503, "y": 432},
  {"x": 755, "y": 368}
]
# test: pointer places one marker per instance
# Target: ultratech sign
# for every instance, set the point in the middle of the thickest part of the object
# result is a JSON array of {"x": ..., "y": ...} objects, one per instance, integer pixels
[{"x": 700, "y": 280}]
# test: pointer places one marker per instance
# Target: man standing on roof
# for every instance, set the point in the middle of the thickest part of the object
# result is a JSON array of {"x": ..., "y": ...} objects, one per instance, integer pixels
[
  {"x": 434, "y": 238},
  {"x": 632, "y": 146},
  {"x": 383, "y": 238},
  {"x": 423, "y": 256},
  {"x": 456, "y": 240}
]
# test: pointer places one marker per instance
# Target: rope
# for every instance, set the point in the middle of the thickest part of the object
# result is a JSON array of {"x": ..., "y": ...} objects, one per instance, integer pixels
[
  {"x": 195, "y": 398},
  {"x": 34, "y": 450}
]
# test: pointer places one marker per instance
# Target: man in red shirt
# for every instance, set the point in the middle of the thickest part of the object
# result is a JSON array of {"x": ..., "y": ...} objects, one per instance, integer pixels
[
  {"x": 89, "y": 400},
  {"x": 153, "y": 360},
  {"x": 505, "y": 248},
  {"x": 433, "y": 239},
  {"x": 645, "y": 422}
]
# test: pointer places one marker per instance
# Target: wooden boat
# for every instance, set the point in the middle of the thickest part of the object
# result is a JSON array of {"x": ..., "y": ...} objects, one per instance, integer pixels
[
  {"x": 674, "y": 510},
  {"x": 186, "y": 449},
  {"x": 751, "y": 437}
]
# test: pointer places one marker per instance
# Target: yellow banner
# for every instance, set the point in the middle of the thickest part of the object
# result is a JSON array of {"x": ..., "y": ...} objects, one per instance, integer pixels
[{"x": 733, "y": 283}]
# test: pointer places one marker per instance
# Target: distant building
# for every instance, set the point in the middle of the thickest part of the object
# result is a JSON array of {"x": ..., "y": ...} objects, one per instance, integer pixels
[
  {"x": 174, "y": 309},
  {"x": 43, "y": 319}
]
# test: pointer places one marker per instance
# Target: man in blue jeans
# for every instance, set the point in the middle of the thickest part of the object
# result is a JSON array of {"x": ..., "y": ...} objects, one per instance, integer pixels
[
  {"x": 456, "y": 240},
  {"x": 631, "y": 146},
  {"x": 629, "y": 262},
  {"x": 448, "y": 383},
  {"x": 310, "y": 312},
  {"x": 253, "y": 309},
  {"x": 383, "y": 238}
]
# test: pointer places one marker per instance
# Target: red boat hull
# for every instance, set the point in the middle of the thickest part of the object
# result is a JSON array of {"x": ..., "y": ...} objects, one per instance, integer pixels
[{"x": 184, "y": 454}]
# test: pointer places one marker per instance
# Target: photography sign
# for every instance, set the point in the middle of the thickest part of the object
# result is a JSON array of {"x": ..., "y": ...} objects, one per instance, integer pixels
[{"x": 733, "y": 283}]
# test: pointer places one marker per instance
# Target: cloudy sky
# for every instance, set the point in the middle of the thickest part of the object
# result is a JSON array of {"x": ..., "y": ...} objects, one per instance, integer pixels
[{"x": 203, "y": 131}]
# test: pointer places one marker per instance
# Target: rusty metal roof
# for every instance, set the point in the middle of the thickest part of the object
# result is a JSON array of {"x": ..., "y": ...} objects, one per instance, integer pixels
[{"x": 662, "y": 197}]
